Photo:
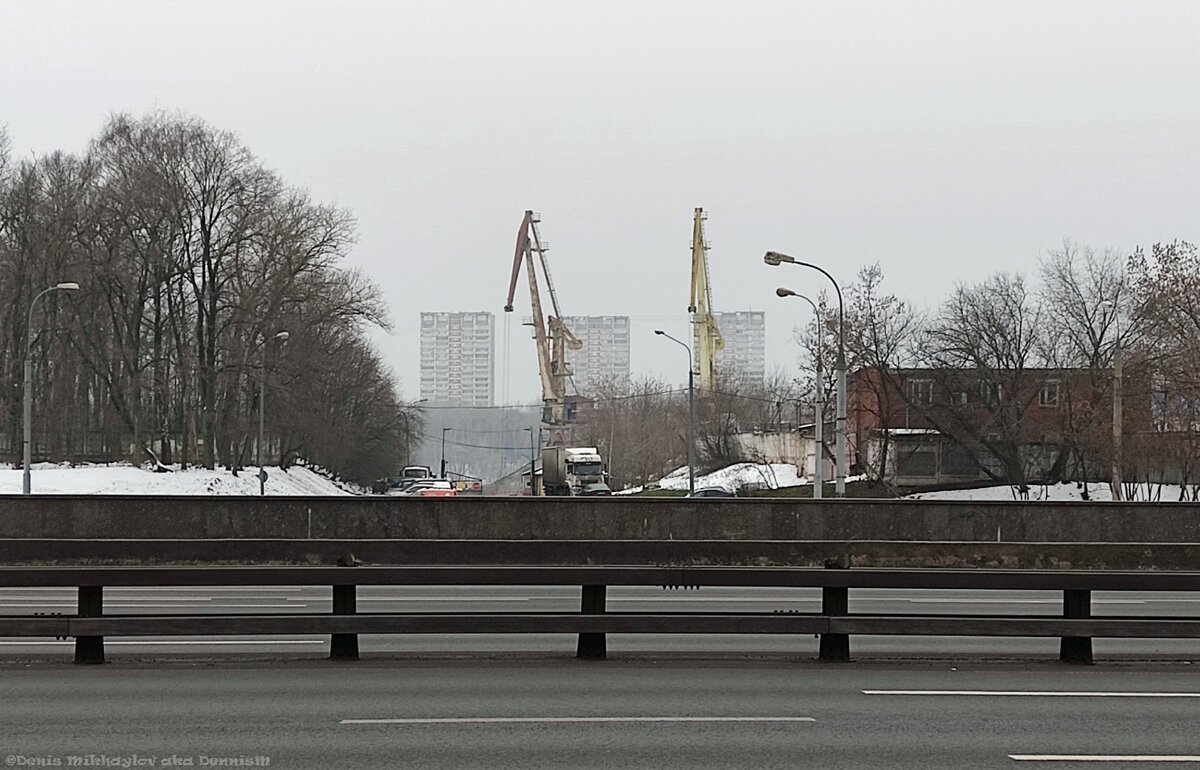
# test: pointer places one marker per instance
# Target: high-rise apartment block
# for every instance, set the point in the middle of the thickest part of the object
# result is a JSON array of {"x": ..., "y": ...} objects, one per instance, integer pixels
[
  {"x": 458, "y": 358},
  {"x": 744, "y": 356},
  {"x": 604, "y": 356}
]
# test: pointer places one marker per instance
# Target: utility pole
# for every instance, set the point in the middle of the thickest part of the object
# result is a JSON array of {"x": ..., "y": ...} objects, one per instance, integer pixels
[
  {"x": 1118, "y": 419},
  {"x": 1118, "y": 403}
]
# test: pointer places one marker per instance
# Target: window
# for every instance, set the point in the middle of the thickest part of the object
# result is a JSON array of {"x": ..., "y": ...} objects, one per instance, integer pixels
[
  {"x": 1049, "y": 394},
  {"x": 991, "y": 392},
  {"x": 959, "y": 398},
  {"x": 920, "y": 391}
]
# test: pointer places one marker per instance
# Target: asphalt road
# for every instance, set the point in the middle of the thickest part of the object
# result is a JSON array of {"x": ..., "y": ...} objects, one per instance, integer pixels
[
  {"x": 563, "y": 713},
  {"x": 625, "y": 599}
]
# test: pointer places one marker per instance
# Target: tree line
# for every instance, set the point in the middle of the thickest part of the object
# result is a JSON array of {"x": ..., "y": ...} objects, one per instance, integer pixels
[{"x": 192, "y": 258}]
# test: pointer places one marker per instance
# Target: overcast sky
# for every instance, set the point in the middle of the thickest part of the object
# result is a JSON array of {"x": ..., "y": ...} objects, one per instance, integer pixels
[{"x": 943, "y": 140}]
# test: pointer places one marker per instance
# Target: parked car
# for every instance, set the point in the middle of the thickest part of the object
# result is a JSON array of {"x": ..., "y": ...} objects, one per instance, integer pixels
[
  {"x": 432, "y": 492},
  {"x": 711, "y": 492},
  {"x": 421, "y": 485},
  {"x": 592, "y": 490}
]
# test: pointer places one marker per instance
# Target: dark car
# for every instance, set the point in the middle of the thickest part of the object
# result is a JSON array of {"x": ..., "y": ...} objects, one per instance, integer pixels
[
  {"x": 711, "y": 492},
  {"x": 592, "y": 490}
]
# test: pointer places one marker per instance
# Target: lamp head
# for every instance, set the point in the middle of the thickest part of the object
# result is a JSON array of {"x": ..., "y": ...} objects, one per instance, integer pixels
[
  {"x": 67, "y": 286},
  {"x": 782, "y": 292},
  {"x": 775, "y": 258},
  {"x": 281, "y": 335},
  {"x": 659, "y": 332}
]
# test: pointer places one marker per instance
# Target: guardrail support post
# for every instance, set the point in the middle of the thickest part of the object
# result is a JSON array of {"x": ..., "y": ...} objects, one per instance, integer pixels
[
  {"x": 592, "y": 646},
  {"x": 835, "y": 600},
  {"x": 344, "y": 646},
  {"x": 90, "y": 649},
  {"x": 1077, "y": 603}
]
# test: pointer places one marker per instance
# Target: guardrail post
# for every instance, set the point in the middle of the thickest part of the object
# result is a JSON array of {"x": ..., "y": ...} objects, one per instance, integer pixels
[
  {"x": 90, "y": 649},
  {"x": 1077, "y": 603},
  {"x": 835, "y": 600},
  {"x": 344, "y": 646},
  {"x": 592, "y": 646}
]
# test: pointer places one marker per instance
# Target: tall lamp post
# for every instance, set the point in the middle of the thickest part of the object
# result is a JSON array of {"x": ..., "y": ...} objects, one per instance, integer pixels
[
  {"x": 28, "y": 395},
  {"x": 819, "y": 426},
  {"x": 691, "y": 411},
  {"x": 262, "y": 399},
  {"x": 444, "y": 432},
  {"x": 775, "y": 258}
]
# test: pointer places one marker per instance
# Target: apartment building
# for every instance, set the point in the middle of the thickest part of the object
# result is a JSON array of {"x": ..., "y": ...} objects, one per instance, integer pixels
[
  {"x": 458, "y": 358},
  {"x": 744, "y": 356},
  {"x": 604, "y": 356}
]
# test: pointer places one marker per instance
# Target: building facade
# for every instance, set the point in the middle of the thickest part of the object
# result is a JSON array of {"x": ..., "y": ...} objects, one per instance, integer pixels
[
  {"x": 744, "y": 356},
  {"x": 458, "y": 358},
  {"x": 604, "y": 356}
]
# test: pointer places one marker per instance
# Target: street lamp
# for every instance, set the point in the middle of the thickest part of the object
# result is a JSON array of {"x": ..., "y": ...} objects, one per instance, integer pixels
[
  {"x": 444, "y": 432},
  {"x": 691, "y": 412},
  {"x": 819, "y": 426},
  {"x": 28, "y": 395},
  {"x": 262, "y": 393},
  {"x": 775, "y": 258}
]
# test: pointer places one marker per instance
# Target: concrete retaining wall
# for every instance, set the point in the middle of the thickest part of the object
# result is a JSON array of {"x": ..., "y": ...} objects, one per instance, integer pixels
[{"x": 617, "y": 518}]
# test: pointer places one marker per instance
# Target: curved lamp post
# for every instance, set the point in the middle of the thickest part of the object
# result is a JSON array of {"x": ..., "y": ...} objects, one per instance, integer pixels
[
  {"x": 776, "y": 258},
  {"x": 262, "y": 392},
  {"x": 28, "y": 394},
  {"x": 691, "y": 411},
  {"x": 819, "y": 421}
]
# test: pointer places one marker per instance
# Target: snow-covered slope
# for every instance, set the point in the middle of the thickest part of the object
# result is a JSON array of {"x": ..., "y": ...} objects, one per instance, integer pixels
[
  {"x": 49, "y": 479},
  {"x": 1097, "y": 492},
  {"x": 732, "y": 477}
]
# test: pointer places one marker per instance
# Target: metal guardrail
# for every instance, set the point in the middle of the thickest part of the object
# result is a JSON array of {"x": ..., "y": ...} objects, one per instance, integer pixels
[{"x": 834, "y": 623}]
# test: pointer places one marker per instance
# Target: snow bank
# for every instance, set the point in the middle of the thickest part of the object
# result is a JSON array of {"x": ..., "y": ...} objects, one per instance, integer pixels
[
  {"x": 771, "y": 476},
  {"x": 117, "y": 479},
  {"x": 1097, "y": 492}
]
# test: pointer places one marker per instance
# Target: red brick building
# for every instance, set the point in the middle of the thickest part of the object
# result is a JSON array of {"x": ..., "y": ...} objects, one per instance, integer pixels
[{"x": 915, "y": 427}]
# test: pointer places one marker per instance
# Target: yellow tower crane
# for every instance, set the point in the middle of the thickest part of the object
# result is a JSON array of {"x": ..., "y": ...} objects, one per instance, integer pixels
[
  {"x": 708, "y": 335},
  {"x": 552, "y": 336}
]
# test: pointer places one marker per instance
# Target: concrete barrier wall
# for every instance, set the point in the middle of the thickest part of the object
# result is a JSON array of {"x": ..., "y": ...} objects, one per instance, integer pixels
[
  {"x": 857, "y": 553},
  {"x": 617, "y": 518}
]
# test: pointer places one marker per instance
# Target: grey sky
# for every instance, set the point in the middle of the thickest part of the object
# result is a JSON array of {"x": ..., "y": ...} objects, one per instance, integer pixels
[{"x": 944, "y": 140}]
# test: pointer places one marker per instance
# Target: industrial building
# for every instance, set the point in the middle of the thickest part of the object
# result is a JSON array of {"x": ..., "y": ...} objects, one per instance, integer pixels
[{"x": 458, "y": 358}]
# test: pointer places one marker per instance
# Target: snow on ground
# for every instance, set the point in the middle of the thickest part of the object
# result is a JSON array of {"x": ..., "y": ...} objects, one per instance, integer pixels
[
  {"x": 1097, "y": 492},
  {"x": 771, "y": 476},
  {"x": 119, "y": 479}
]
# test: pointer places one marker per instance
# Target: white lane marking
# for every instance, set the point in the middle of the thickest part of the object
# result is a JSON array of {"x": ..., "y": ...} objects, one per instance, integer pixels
[
  {"x": 172, "y": 589},
  {"x": 1105, "y": 757},
  {"x": 172, "y": 643},
  {"x": 1037, "y": 693},
  {"x": 1017, "y": 601},
  {"x": 145, "y": 606},
  {"x": 563, "y": 720}
]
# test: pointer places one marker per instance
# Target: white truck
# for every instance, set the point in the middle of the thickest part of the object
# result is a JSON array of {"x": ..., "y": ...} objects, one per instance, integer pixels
[{"x": 573, "y": 471}]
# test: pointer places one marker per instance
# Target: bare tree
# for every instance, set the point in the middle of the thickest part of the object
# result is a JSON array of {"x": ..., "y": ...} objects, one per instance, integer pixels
[{"x": 980, "y": 348}]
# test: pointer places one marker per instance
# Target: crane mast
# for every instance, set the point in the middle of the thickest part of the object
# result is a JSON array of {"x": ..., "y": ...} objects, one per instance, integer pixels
[
  {"x": 551, "y": 335},
  {"x": 707, "y": 333}
]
